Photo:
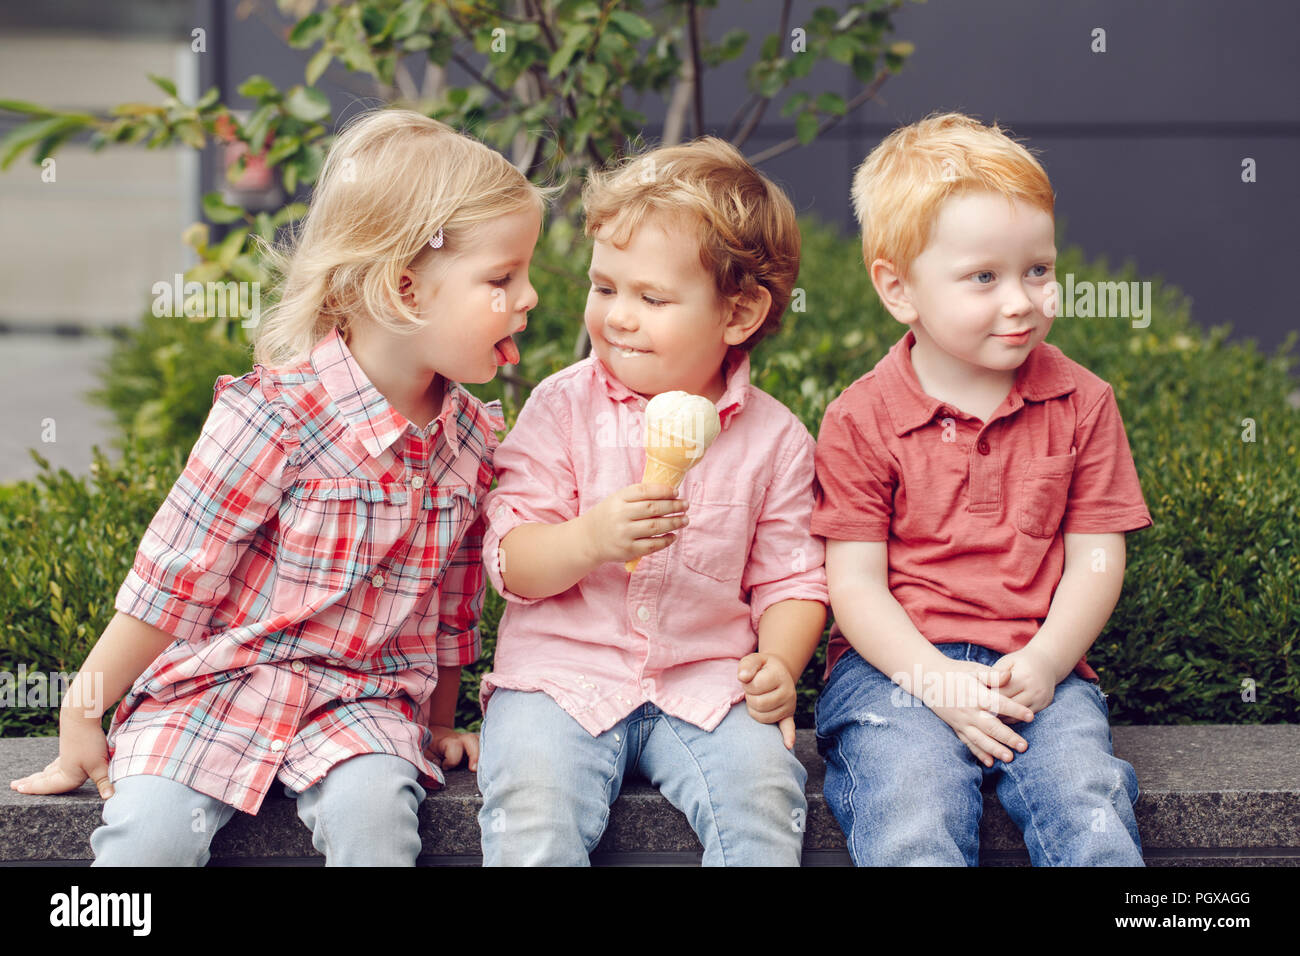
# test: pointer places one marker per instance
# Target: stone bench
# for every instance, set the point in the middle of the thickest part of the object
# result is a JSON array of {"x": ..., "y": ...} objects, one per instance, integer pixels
[{"x": 1211, "y": 795}]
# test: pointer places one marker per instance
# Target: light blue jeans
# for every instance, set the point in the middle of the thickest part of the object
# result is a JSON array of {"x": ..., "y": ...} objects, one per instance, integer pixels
[
  {"x": 548, "y": 784},
  {"x": 906, "y": 790},
  {"x": 365, "y": 812}
]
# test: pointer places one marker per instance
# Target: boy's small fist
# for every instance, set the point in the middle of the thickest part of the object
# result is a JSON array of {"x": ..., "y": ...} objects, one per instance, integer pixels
[{"x": 769, "y": 692}]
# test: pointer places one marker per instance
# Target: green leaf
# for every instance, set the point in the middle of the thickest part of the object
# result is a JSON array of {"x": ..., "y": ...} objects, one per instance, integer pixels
[
  {"x": 191, "y": 134},
  {"x": 259, "y": 124},
  {"x": 208, "y": 99},
  {"x": 290, "y": 213},
  {"x": 230, "y": 247},
  {"x": 574, "y": 38},
  {"x": 310, "y": 160},
  {"x": 284, "y": 147},
  {"x": 408, "y": 18},
  {"x": 841, "y": 49},
  {"x": 216, "y": 209},
  {"x": 831, "y": 103},
  {"x": 805, "y": 127},
  {"x": 631, "y": 24},
  {"x": 594, "y": 77},
  {"x": 21, "y": 106},
  {"x": 258, "y": 88},
  {"x": 307, "y": 104},
  {"x": 25, "y": 135},
  {"x": 318, "y": 64},
  {"x": 308, "y": 30},
  {"x": 164, "y": 84}
]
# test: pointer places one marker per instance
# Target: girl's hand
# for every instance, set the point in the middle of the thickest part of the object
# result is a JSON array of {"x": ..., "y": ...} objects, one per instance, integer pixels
[
  {"x": 1033, "y": 680},
  {"x": 450, "y": 745},
  {"x": 769, "y": 692},
  {"x": 83, "y": 752},
  {"x": 633, "y": 522},
  {"x": 971, "y": 701}
]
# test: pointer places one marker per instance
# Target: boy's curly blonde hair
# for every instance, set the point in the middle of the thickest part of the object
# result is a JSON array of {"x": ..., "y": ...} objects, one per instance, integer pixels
[
  {"x": 745, "y": 225},
  {"x": 900, "y": 187}
]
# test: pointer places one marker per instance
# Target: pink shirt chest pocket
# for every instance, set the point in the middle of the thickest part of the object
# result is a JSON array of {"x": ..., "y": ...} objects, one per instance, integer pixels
[{"x": 716, "y": 543}]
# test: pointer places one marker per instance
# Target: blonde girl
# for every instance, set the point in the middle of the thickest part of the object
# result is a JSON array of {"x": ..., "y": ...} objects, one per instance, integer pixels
[{"x": 301, "y": 605}]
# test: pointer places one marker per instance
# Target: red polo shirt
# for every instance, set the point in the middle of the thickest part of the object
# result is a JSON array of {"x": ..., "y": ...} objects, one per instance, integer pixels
[{"x": 974, "y": 511}]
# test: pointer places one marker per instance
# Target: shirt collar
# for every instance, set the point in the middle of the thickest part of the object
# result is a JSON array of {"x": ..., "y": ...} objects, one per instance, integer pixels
[
  {"x": 734, "y": 395},
  {"x": 364, "y": 408},
  {"x": 1044, "y": 374}
]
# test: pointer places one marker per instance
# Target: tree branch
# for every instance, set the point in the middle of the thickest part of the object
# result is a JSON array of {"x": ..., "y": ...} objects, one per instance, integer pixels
[
  {"x": 786, "y": 145},
  {"x": 765, "y": 101},
  {"x": 697, "y": 68}
]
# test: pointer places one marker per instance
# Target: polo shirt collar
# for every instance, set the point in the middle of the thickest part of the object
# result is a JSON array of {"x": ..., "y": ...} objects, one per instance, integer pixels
[
  {"x": 734, "y": 395},
  {"x": 1043, "y": 375},
  {"x": 367, "y": 413}
]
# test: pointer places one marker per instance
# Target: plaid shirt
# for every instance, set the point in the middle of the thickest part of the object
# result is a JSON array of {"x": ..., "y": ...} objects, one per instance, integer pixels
[{"x": 316, "y": 561}]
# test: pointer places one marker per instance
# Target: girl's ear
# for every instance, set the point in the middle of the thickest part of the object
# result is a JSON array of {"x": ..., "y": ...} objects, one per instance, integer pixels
[{"x": 747, "y": 315}]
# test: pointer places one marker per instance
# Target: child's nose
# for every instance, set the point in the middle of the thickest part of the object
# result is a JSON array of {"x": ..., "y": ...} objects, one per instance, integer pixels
[{"x": 620, "y": 317}]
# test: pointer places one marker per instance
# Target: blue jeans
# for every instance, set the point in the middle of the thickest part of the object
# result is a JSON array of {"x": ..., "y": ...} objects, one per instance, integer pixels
[
  {"x": 906, "y": 790},
  {"x": 363, "y": 813},
  {"x": 548, "y": 784}
]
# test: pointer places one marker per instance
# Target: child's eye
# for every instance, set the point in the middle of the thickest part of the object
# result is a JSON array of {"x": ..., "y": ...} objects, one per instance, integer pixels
[
  {"x": 652, "y": 301},
  {"x": 599, "y": 290},
  {"x": 979, "y": 277},
  {"x": 1039, "y": 274},
  {"x": 502, "y": 281}
]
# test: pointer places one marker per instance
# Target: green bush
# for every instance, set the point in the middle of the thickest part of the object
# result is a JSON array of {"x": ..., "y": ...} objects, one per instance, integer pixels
[{"x": 1212, "y": 591}]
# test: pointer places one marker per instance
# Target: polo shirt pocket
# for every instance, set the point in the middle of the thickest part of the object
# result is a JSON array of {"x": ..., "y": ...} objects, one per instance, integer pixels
[
  {"x": 1044, "y": 491},
  {"x": 333, "y": 531},
  {"x": 716, "y": 542}
]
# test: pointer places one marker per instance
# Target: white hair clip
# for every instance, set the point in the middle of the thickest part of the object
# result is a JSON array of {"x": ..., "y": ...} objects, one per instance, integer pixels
[{"x": 436, "y": 241}]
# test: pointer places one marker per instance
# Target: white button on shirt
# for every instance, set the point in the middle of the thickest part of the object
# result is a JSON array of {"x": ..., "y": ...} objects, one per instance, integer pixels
[
  {"x": 417, "y": 482},
  {"x": 297, "y": 667},
  {"x": 277, "y": 746},
  {"x": 377, "y": 580},
  {"x": 643, "y": 613}
]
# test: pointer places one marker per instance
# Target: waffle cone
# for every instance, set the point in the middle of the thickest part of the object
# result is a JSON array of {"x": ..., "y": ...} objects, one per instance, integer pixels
[{"x": 665, "y": 466}]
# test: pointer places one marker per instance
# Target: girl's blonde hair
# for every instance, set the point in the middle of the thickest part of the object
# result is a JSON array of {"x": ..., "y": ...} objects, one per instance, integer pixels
[
  {"x": 900, "y": 187},
  {"x": 744, "y": 224},
  {"x": 391, "y": 179}
]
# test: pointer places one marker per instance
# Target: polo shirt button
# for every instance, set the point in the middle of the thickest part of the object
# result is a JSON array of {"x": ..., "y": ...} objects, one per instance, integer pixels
[
  {"x": 277, "y": 746},
  {"x": 983, "y": 446},
  {"x": 297, "y": 667},
  {"x": 643, "y": 613},
  {"x": 417, "y": 482},
  {"x": 377, "y": 580},
  {"x": 332, "y": 660}
]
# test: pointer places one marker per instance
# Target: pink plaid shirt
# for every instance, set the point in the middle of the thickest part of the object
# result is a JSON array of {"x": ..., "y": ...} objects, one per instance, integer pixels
[
  {"x": 673, "y": 632},
  {"x": 317, "y": 560}
]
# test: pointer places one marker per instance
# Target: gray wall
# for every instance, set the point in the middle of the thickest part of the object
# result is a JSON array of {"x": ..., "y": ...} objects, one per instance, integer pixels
[{"x": 1144, "y": 142}]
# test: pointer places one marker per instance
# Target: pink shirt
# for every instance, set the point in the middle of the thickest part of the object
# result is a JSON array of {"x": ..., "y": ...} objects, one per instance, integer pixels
[
  {"x": 672, "y": 633},
  {"x": 974, "y": 512}
]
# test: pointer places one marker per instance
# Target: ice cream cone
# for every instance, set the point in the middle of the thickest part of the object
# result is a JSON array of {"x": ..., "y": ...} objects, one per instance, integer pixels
[{"x": 680, "y": 427}]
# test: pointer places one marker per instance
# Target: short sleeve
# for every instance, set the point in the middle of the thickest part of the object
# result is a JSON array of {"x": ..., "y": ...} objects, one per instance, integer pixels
[
  {"x": 236, "y": 476},
  {"x": 535, "y": 481},
  {"x": 1105, "y": 495},
  {"x": 786, "y": 561},
  {"x": 855, "y": 483}
]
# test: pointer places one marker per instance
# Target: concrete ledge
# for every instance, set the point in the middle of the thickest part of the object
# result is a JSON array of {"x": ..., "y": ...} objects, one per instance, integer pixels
[{"x": 1211, "y": 795}]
